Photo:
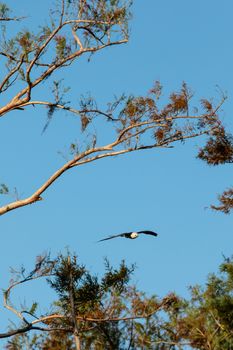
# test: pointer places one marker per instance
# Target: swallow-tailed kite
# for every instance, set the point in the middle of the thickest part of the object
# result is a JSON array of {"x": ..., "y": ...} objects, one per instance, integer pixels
[{"x": 131, "y": 235}]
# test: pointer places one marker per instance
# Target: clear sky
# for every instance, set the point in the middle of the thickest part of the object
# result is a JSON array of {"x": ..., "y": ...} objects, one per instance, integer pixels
[{"x": 163, "y": 190}]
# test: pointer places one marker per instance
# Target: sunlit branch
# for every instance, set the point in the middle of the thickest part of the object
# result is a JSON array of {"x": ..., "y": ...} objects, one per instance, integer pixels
[
  {"x": 18, "y": 101},
  {"x": 41, "y": 270},
  {"x": 25, "y": 94},
  {"x": 76, "y": 38},
  {"x": 33, "y": 325},
  {"x": 7, "y": 292},
  {"x": 164, "y": 144},
  {"x": 108, "y": 151},
  {"x": 36, "y": 196}
]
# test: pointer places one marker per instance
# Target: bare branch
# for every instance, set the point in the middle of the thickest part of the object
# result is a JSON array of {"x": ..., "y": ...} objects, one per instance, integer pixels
[
  {"x": 70, "y": 109},
  {"x": 36, "y": 273},
  {"x": 17, "y": 331},
  {"x": 62, "y": 11},
  {"x": 163, "y": 144},
  {"x": 33, "y": 325},
  {"x": 76, "y": 38},
  {"x": 11, "y": 73},
  {"x": 7, "y": 19},
  {"x": 36, "y": 196}
]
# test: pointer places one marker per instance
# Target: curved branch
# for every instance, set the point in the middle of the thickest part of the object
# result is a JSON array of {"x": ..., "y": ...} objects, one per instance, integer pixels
[
  {"x": 18, "y": 100},
  {"x": 163, "y": 144},
  {"x": 24, "y": 95},
  {"x": 47, "y": 318},
  {"x": 84, "y": 158},
  {"x": 17, "y": 331},
  {"x": 30, "y": 327},
  {"x": 36, "y": 196},
  {"x": 11, "y": 73},
  {"x": 30, "y": 277},
  {"x": 69, "y": 109}
]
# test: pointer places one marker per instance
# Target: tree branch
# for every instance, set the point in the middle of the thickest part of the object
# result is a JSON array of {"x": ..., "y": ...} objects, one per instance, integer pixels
[
  {"x": 36, "y": 196},
  {"x": 70, "y": 109},
  {"x": 84, "y": 158},
  {"x": 25, "y": 94},
  {"x": 11, "y": 73},
  {"x": 72, "y": 304},
  {"x": 7, "y": 19}
]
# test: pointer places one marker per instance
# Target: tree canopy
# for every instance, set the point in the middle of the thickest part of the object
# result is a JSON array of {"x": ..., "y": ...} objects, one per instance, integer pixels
[
  {"x": 77, "y": 28},
  {"x": 107, "y": 311},
  {"x": 111, "y": 313}
]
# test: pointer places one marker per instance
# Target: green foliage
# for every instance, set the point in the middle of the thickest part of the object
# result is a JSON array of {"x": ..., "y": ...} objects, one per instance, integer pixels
[
  {"x": 4, "y": 189},
  {"x": 62, "y": 49},
  {"x": 54, "y": 44},
  {"x": 44, "y": 33},
  {"x": 107, "y": 15},
  {"x": 87, "y": 290},
  {"x": 4, "y": 10},
  {"x": 111, "y": 314},
  {"x": 87, "y": 103},
  {"x": 33, "y": 308},
  {"x": 202, "y": 322},
  {"x": 205, "y": 321},
  {"x": 73, "y": 149},
  {"x": 59, "y": 92},
  {"x": 64, "y": 268},
  {"x": 10, "y": 46},
  {"x": 116, "y": 278}
]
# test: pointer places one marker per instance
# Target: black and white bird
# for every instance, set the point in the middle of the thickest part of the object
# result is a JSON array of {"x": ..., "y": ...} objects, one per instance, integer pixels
[{"x": 131, "y": 235}]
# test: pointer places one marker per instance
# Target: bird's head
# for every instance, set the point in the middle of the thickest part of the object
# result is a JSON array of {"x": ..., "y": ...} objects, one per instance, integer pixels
[{"x": 134, "y": 235}]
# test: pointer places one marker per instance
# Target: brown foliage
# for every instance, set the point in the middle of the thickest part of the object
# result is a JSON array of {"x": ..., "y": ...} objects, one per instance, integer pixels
[
  {"x": 159, "y": 134},
  {"x": 84, "y": 121},
  {"x": 179, "y": 102},
  {"x": 218, "y": 149},
  {"x": 226, "y": 200},
  {"x": 207, "y": 105},
  {"x": 57, "y": 341}
]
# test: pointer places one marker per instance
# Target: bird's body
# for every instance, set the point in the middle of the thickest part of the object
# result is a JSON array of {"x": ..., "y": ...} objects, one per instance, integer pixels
[{"x": 130, "y": 235}]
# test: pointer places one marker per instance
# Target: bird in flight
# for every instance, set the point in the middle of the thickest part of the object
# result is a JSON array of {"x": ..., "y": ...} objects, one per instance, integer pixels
[{"x": 131, "y": 235}]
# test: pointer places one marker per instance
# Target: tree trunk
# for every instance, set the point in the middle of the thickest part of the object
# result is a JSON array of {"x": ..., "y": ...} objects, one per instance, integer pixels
[{"x": 73, "y": 313}]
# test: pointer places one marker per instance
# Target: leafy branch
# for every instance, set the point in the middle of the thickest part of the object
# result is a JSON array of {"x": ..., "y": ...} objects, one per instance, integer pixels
[{"x": 139, "y": 125}]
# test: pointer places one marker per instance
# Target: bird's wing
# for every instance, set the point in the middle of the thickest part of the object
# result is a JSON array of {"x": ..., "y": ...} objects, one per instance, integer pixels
[
  {"x": 110, "y": 237},
  {"x": 149, "y": 233}
]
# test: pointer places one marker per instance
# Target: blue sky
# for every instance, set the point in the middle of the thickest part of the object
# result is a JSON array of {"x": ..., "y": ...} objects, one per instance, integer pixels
[{"x": 163, "y": 190}]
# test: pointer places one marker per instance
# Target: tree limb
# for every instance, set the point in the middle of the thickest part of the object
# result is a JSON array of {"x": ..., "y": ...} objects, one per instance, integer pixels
[{"x": 84, "y": 158}]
